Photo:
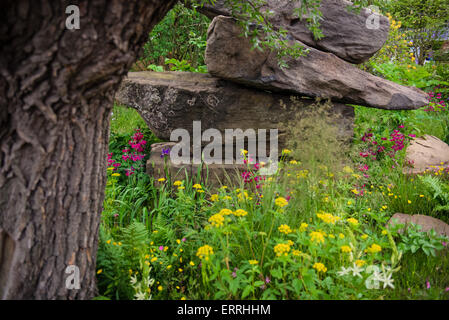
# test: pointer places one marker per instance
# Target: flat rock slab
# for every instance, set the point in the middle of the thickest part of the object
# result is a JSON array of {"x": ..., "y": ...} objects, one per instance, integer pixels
[
  {"x": 173, "y": 100},
  {"x": 318, "y": 74},
  {"x": 427, "y": 223},
  {"x": 427, "y": 153},
  {"x": 213, "y": 175},
  {"x": 345, "y": 32}
]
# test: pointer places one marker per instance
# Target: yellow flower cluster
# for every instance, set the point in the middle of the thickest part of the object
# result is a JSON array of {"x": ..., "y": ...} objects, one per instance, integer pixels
[
  {"x": 353, "y": 221},
  {"x": 216, "y": 220},
  {"x": 346, "y": 249},
  {"x": 282, "y": 249},
  {"x": 317, "y": 236},
  {"x": 177, "y": 183},
  {"x": 285, "y": 229},
  {"x": 318, "y": 266},
  {"x": 252, "y": 262},
  {"x": 327, "y": 217},
  {"x": 303, "y": 227},
  {"x": 281, "y": 202},
  {"x": 204, "y": 252},
  {"x": 296, "y": 252},
  {"x": 225, "y": 212},
  {"x": 214, "y": 197},
  {"x": 374, "y": 248},
  {"x": 240, "y": 213},
  {"x": 360, "y": 263}
]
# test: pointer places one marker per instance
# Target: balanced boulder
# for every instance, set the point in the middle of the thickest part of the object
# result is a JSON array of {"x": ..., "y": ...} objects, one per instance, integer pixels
[
  {"x": 171, "y": 100},
  {"x": 354, "y": 36},
  {"x": 317, "y": 74}
]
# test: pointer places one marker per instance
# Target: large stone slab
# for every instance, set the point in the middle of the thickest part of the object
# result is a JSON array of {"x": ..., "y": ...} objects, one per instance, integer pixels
[
  {"x": 318, "y": 74},
  {"x": 345, "y": 32},
  {"x": 427, "y": 223},
  {"x": 212, "y": 175},
  {"x": 174, "y": 100},
  {"x": 427, "y": 153}
]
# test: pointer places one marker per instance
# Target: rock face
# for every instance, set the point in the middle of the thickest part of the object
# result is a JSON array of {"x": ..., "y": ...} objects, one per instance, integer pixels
[
  {"x": 427, "y": 223},
  {"x": 345, "y": 32},
  {"x": 426, "y": 153},
  {"x": 318, "y": 74},
  {"x": 213, "y": 174},
  {"x": 172, "y": 100}
]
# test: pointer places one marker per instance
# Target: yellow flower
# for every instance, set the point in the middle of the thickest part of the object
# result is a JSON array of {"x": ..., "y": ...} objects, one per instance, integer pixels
[
  {"x": 341, "y": 236},
  {"x": 178, "y": 241},
  {"x": 317, "y": 236},
  {"x": 154, "y": 259},
  {"x": 197, "y": 186},
  {"x": 168, "y": 267},
  {"x": 346, "y": 249},
  {"x": 353, "y": 221},
  {"x": 214, "y": 197},
  {"x": 119, "y": 243},
  {"x": 364, "y": 237},
  {"x": 243, "y": 152},
  {"x": 200, "y": 191},
  {"x": 282, "y": 249},
  {"x": 360, "y": 263},
  {"x": 293, "y": 162},
  {"x": 252, "y": 262},
  {"x": 181, "y": 188},
  {"x": 183, "y": 298},
  {"x": 384, "y": 232},
  {"x": 285, "y": 229},
  {"x": 204, "y": 252},
  {"x": 216, "y": 220},
  {"x": 99, "y": 271},
  {"x": 177, "y": 183},
  {"x": 318, "y": 266},
  {"x": 225, "y": 212},
  {"x": 116, "y": 174},
  {"x": 161, "y": 179},
  {"x": 328, "y": 218},
  {"x": 160, "y": 288},
  {"x": 109, "y": 241},
  {"x": 296, "y": 252},
  {"x": 286, "y": 151},
  {"x": 409, "y": 202},
  {"x": 281, "y": 202},
  {"x": 303, "y": 227},
  {"x": 348, "y": 169},
  {"x": 180, "y": 270},
  {"x": 374, "y": 248},
  {"x": 192, "y": 263},
  {"x": 110, "y": 168},
  {"x": 240, "y": 213}
]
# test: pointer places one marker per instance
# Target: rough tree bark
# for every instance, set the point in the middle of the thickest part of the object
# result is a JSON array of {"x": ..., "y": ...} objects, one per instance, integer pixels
[{"x": 56, "y": 94}]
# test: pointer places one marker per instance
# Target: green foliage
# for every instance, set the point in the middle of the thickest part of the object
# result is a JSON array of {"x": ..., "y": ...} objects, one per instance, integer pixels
[
  {"x": 439, "y": 191},
  {"x": 181, "y": 36},
  {"x": 424, "y": 22},
  {"x": 423, "y": 77},
  {"x": 183, "y": 65},
  {"x": 413, "y": 240}
]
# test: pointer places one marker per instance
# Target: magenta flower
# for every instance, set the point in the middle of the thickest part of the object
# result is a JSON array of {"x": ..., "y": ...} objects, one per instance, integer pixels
[{"x": 161, "y": 248}]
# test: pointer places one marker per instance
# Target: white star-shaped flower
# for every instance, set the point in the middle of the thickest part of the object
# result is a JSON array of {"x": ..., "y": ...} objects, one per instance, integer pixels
[
  {"x": 356, "y": 271},
  {"x": 343, "y": 271}
]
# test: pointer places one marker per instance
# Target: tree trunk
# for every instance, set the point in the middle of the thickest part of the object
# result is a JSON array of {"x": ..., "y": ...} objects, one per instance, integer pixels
[{"x": 56, "y": 95}]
